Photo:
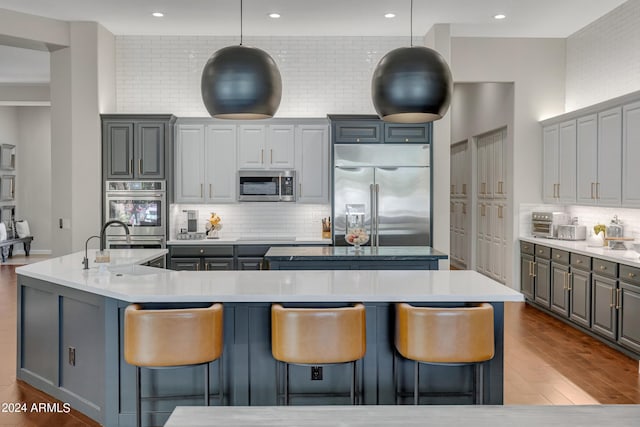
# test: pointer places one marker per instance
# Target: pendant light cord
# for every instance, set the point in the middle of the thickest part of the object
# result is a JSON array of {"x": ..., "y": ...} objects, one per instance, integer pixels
[
  {"x": 241, "y": 22},
  {"x": 410, "y": 24}
]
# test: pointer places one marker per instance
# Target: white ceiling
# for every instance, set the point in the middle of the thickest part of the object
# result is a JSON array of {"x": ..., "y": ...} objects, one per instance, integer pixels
[{"x": 469, "y": 18}]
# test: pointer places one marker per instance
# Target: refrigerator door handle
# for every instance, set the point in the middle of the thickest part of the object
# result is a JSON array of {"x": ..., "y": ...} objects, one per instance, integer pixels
[
  {"x": 373, "y": 201},
  {"x": 377, "y": 218}
]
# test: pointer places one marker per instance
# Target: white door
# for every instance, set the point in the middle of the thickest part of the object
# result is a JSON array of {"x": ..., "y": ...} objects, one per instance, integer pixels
[
  {"x": 550, "y": 163},
  {"x": 630, "y": 155},
  {"x": 220, "y": 155},
  {"x": 312, "y": 163},
  {"x": 499, "y": 166},
  {"x": 609, "y": 185},
  {"x": 280, "y": 144},
  {"x": 587, "y": 159},
  {"x": 566, "y": 189},
  {"x": 251, "y": 147},
  {"x": 189, "y": 181}
]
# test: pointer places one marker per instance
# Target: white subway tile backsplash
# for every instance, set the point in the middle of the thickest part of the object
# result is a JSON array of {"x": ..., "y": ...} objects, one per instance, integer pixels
[
  {"x": 602, "y": 58},
  {"x": 255, "y": 219},
  {"x": 320, "y": 75}
]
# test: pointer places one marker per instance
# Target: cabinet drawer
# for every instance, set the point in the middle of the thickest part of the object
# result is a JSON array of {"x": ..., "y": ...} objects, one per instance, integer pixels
[
  {"x": 605, "y": 268},
  {"x": 408, "y": 133},
  {"x": 630, "y": 274},
  {"x": 560, "y": 257},
  {"x": 543, "y": 252},
  {"x": 218, "y": 264},
  {"x": 358, "y": 132},
  {"x": 252, "y": 250},
  {"x": 581, "y": 262},
  {"x": 526, "y": 248},
  {"x": 201, "y": 251}
]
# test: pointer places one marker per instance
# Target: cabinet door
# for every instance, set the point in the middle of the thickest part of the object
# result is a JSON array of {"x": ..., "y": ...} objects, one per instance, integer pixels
[
  {"x": 566, "y": 191},
  {"x": 609, "y": 185},
  {"x": 250, "y": 263},
  {"x": 587, "y": 159},
  {"x": 542, "y": 270},
  {"x": 149, "y": 151},
  {"x": 630, "y": 155},
  {"x": 526, "y": 276},
  {"x": 603, "y": 311},
  {"x": 280, "y": 144},
  {"x": 365, "y": 132},
  {"x": 312, "y": 151},
  {"x": 251, "y": 146},
  {"x": 220, "y": 164},
  {"x": 499, "y": 185},
  {"x": 190, "y": 264},
  {"x": 407, "y": 133},
  {"x": 559, "y": 285},
  {"x": 550, "y": 163},
  {"x": 189, "y": 164},
  {"x": 629, "y": 316},
  {"x": 580, "y": 297},
  {"x": 484, "y": 163},
  {"x": 118, "y": 153},
  {"x": 217, "y": 264}
]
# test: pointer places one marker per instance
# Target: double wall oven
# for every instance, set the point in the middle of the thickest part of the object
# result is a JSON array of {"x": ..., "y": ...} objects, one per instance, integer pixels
[{"x": 142, "y": 206}]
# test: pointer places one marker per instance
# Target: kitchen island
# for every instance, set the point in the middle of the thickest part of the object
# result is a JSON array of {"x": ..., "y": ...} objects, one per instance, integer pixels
[
  {"x": 348, "y": 258},
  {"x": 70, "y": 333}
]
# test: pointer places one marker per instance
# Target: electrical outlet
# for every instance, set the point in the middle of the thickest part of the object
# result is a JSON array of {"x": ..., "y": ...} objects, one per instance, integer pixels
[
  {"x": 316, "y": 373},
  {"x": 72, "y": 356}
]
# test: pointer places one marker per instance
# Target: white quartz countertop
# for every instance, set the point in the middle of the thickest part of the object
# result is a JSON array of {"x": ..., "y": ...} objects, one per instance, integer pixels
[
  {"x": 627, "y": 257},
  {"x": 256, "y": 240},
  {"x": 135, "y": 283}
]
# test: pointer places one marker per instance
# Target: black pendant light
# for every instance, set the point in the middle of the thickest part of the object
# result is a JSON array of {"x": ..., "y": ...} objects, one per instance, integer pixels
[
  {"x": 241, "y": 82},
  {"x": 411, "y": 84}
]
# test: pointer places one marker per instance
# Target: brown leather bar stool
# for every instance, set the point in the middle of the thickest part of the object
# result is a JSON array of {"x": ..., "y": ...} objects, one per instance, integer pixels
[
  {"x": 448, "y": 336},
  {"x": 164, "y": 338},
  {"x": 317, "y": 336}
]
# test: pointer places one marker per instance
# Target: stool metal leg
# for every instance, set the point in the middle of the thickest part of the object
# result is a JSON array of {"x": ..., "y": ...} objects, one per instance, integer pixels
[
  {"x": 395, "y": 376},
  {"x": 221, "y": 380},
  {"x": 416, "y": 380},
  {"x": 286, "y": 384},
  {"x": 138, "y": 400},
  {"x": 353, "y": 383},
  {"x": 206, "y": 384},
  {"x": 478, "y": 385}
]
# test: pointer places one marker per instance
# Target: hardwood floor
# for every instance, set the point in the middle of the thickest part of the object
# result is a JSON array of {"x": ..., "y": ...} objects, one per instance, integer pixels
[{"x": 546, "y": 363}]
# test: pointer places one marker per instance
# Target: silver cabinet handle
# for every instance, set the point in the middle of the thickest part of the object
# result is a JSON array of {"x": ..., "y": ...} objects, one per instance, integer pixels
[
  {"x": 262, "y": 156},
  {"x": 569, "y": 281},
  {"x": 592, "y": 192},
  {"x": 140, "y": 166},
  {"x": 612, "y": 304},
  {"x": 271, "y": 151},
  {"x": 533, "y": 269},
  {"x": 201, "y": 190},
  {"x": 377, "y": 216},
  {"x": 618, "y": 299},
  {"x": 597, "y": 190},
  {"x": 210, "y": 191}
]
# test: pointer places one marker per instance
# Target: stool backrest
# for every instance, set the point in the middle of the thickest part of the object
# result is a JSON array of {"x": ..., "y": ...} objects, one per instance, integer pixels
[
  {"x": 445, "y": 335},
  {"x": 318, "y": 335},
  {"x": 172, "y": 337}
]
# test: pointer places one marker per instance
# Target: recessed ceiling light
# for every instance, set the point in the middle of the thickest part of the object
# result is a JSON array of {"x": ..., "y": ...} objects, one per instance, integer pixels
[
  {"x": 274, "y": 15},
  {"x": 158, "y": 14},
  {"x": 389, "y": 15},
  {"x": 499, "y": 16}
]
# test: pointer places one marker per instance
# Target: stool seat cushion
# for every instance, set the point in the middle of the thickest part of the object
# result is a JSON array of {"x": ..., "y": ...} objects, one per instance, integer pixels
[
  {"x": 445, "y": 335},
  {"x": 318, "y": 335},
  {"x": 172, "y": 337}
]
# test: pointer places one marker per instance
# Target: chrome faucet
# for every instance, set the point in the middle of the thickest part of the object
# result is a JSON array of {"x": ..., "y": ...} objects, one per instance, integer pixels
[{"x": 103, "y": 239}]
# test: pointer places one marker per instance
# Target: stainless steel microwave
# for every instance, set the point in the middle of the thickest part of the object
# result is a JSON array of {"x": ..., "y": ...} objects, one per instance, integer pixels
[{"x": 267, "y": 186}]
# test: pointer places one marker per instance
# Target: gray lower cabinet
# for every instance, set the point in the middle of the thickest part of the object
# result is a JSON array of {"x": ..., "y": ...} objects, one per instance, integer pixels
[
  {"x": 191, "y": 264},
  {"x": 217, "y": 264},
  {"x": 603, "y": 309},
  {"x": 601, "y": 296},
  {"x": 580, "y": 297},
  {"x": 559, "y": 297},
  {"x": 542, "y": 270},
  {"x": 628, "y": 304},
  {"x": 527, "y": 279},
  {"x": 249, "y": 263},
  {"x": 201, "y": 258}
]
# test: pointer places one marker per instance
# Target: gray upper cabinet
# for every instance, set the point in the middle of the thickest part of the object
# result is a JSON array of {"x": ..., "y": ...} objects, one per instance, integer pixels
[
  {"x": 419, "y": 133},
  {"x": 358, "y": 132},
  {"x": 136, "y": 146}
]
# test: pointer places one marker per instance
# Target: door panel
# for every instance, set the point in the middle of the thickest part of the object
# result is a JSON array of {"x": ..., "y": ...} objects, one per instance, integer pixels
[
  {"x": 403, "y": 205},
  {"x": 603, "y": 313},
  {"x": 580, "y": 298}
]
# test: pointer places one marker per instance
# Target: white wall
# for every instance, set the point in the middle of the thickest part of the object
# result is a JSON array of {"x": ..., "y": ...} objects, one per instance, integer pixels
[
  {"x": 8, "y": 125},
  {"x": 536, "y": 68},
  {"x": 602, "y": 58},
  {"x": 320, "y": 75},
  {"x": 33, "y": 160}
]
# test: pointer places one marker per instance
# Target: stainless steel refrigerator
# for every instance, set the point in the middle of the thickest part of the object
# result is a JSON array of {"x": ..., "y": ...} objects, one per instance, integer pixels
[{"x": 393, "y": 181}]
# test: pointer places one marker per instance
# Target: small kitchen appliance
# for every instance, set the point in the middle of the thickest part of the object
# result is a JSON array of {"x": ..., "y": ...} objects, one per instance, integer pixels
[
  {"x": 572, "y": 232},
  {"x": 545, "y": 224},
  {"x": 267, "y": 186},
  {"x": 192, "y": 220}
]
